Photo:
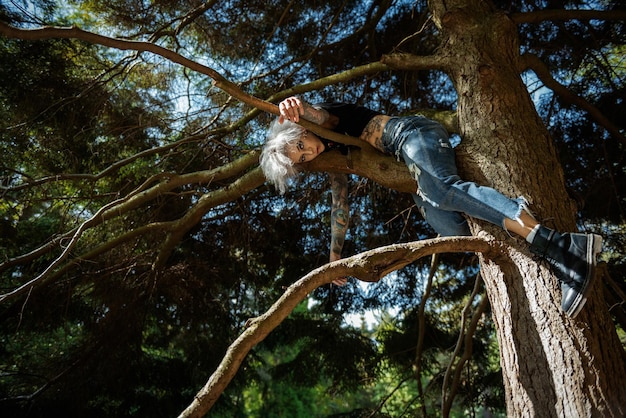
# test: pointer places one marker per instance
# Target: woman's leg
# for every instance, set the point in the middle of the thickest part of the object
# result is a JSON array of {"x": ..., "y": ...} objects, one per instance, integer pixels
[
  {"x": 444, "y": 222},
  {"x": 524, "y": 227},
  {"x": 430, "y": 158}
]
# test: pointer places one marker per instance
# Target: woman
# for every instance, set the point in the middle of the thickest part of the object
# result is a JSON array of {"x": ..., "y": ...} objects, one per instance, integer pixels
[{"x": 442, "y": 196}]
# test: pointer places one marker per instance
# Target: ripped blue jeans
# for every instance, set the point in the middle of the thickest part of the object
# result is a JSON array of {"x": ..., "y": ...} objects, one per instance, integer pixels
[{"x": 442, "y": 196}]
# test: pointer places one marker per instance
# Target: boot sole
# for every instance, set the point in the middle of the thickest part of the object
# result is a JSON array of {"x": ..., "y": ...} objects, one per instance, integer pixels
[{"x": 594, "y": 247}]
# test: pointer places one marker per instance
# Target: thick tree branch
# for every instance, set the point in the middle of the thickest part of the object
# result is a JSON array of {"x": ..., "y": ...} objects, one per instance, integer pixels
[
  {"x": 50, "y": 32},
  {"x": 383, "y": 169},
  {"x": 372, "y": 164},
  {"x": 411, "y": 62},
  {"x": 562, "y": 14},
  {"x": 367, "y": 163},
  {"x": 533, "y": 62},
  {"x": 369, "y": 266}
]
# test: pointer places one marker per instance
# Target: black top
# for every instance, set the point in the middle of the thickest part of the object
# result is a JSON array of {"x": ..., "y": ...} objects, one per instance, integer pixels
[{"x": 352, "y": 121}]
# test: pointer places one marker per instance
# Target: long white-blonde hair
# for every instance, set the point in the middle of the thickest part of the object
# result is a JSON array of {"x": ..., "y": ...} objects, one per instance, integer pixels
[{"x": 275, "y": 162}]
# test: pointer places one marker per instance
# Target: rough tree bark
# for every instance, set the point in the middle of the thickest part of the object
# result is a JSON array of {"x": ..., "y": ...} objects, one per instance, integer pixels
[{"x": 552, "y": 365}]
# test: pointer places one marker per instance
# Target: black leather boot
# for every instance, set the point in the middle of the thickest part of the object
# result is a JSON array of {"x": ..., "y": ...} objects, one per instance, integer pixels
[{"x": 573, "y": 261}]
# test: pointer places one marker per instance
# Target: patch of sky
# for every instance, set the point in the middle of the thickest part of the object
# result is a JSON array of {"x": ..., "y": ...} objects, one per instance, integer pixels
[
  {"x": 33, "y": 13},
  {"x": 539, "y": 93},
  {"x": 369, "y": 319}
]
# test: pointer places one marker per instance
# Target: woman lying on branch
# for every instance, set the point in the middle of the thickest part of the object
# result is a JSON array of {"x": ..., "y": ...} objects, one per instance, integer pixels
[{"x": 442, "y": 196}]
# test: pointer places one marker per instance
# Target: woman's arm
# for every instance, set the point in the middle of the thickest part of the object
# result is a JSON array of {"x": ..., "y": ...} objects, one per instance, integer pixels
[
  {"x": 293, "y": 108},
  {"x": 339, "y": 218}
]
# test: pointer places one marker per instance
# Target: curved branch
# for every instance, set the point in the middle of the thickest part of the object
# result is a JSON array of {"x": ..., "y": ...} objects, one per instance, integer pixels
[
  {"x": 368, "y": 266},
  {"x": 74, "y": 32},
  {"x": 219, "y": 81},
  {"x": 174, "y": 229},
  {"x": 382, "y": 169},
  {"x": 347, "y": 75},
  {"x": 533, "y": 62}
]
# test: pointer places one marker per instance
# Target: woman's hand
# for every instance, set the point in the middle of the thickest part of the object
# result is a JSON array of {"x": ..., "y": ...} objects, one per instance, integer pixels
[
  {"x": 291, "y": 109},
  {"x": 339, "y": 281}
]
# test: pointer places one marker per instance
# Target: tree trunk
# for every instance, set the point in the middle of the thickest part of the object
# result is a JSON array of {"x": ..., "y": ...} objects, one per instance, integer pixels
[{"x": 552, "y": 365}]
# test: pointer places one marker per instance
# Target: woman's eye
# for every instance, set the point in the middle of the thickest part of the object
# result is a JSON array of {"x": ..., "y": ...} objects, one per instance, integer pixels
[
  {"x": 302, "y": 159},
  {"x": 300, "y": 145}
]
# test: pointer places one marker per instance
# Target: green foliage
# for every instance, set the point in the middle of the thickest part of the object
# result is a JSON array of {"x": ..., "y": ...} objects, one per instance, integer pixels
[{"x": 114, "y": 334}]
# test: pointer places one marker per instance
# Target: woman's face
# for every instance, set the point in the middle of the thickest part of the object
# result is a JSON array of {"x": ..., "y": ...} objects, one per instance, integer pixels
[{"x": 305, "y": 149}]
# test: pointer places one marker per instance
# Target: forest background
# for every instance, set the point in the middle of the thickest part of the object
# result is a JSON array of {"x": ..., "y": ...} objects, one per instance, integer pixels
[{"x": 138, "y": 241}]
